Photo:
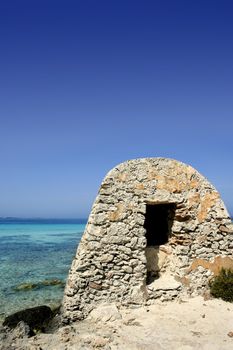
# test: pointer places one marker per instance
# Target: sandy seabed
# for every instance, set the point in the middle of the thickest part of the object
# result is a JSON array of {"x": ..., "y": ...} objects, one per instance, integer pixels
[{"x": 180, "y": 325}]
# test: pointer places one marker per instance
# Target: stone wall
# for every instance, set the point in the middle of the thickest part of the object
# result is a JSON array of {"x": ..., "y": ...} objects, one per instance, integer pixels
[{"x": 112, "y": 260}]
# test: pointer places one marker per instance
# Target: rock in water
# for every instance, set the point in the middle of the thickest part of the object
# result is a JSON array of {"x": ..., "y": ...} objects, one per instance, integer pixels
[{"x": 33, "y": 317}]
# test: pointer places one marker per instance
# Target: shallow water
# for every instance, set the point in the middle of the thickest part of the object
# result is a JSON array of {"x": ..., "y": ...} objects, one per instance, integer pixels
[{"x": 33, "y": 251}]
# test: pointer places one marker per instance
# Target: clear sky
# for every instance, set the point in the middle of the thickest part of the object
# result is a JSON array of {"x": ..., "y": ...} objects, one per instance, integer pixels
[{"x": 87, "y": 84}]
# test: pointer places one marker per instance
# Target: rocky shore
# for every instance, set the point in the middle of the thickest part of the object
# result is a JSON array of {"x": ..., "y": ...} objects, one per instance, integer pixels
[{"x": 186, "y": 324}]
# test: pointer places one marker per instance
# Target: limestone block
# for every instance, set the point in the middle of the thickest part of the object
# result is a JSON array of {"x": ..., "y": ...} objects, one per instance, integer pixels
[
  {"x": 156, "y": 259},
  {"x": 164, "y": 283},
  {"x": 138, "y": 294},
  {"x": 127, "y": 269},
  {"x": 105, "y": 312},
  {"x": 132, "y": 243},
  {"x": 106, "y": 258},
  {"x": 142, "y": 242},
  {"x": 125, "y": 250}
]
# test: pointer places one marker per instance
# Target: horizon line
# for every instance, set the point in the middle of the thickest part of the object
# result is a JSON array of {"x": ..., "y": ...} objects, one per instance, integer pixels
[{"x": 40, "y": 218}]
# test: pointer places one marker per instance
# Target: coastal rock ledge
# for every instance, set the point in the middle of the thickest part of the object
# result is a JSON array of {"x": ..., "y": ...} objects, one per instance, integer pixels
[{"x": 158, "y": 230}]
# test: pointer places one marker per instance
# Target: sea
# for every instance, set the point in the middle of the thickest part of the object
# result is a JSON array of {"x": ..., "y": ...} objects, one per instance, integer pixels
[{"x": 35, "y": 257}]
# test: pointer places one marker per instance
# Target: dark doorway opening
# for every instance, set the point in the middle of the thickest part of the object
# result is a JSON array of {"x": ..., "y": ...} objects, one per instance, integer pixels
[{"x": 158, "y": 223}]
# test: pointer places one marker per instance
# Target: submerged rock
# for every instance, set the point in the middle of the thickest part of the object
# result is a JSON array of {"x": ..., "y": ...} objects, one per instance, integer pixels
[
  {"x": 25, "y": 286},
  {"x": 46, "y": 283},
  {"x": 53, "y": 282}
]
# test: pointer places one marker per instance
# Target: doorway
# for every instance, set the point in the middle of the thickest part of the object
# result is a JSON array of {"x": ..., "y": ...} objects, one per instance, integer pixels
[{"x": 158, "y": 222}]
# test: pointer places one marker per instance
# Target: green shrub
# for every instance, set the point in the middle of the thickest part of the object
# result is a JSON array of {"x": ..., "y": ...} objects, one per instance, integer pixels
[{"x": 221, "y": 286}]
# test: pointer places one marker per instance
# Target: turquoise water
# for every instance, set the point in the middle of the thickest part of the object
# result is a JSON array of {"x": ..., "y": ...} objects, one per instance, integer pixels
[{"x": 33, "y": 251}]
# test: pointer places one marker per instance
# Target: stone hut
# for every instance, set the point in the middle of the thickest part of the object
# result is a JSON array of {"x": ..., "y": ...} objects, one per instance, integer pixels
[{"x": 157, "y": 229}]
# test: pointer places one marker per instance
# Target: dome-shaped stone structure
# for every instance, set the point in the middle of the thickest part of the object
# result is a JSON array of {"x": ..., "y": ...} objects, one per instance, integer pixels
[{"x": 157, "y": 229}]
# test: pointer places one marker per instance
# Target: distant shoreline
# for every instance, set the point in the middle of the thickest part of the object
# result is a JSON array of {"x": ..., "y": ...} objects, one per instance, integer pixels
[{"x": 8, "y": 220}]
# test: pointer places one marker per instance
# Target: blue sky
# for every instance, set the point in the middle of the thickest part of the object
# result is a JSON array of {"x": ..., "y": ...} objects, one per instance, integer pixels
[{"x": 85, "y": 85}]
